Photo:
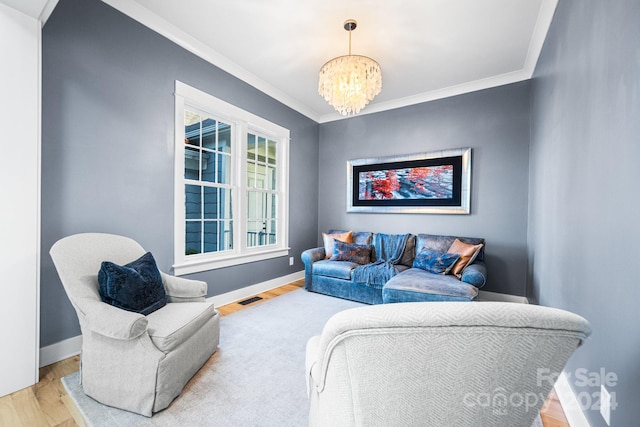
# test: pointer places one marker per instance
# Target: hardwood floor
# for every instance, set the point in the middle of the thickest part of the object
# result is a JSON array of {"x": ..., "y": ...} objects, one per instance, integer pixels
[{"x": 46, "y": 404}]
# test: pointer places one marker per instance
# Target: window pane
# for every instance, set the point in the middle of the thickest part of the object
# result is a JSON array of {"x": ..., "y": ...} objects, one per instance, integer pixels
[
  {"x": 257, "y": 205},
  {"x": 224, "y": 138},
  {"x": 191, "y": 163},
  {"x": 226, "y": 235},
  {"x": 262, "y": 149},
  {"x": 209, "y": 133},
  {"x": 192, "y": 128},
  {"x": 273, "y": 206},
  {"x": 224, "y": 169},
  {"x": 193, "y": 237},
  {"x": 193, "y": 202},
  {"x": 271, "y": 178},
  {"x": 251, "y": 174},
  {"x": 271, "y": 153},
  {"x": 251, "y": 147},
  {"x": 273, "y": 233},
  {"x": 211, "y": 236},
  {"x": 261, "y": 176},
  {"x": 256, "y": 233},
  {"x": 208, "y": 166},
  {"x": 211, "y": 202},
  {"x": 261, "y": 205},
  {"x": 226, "y": 211}
]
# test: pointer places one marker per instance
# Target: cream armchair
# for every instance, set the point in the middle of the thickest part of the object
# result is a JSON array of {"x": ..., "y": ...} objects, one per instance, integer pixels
[
  {"x": 438, "y": 364},
  {"x": 131, "y": 361}
]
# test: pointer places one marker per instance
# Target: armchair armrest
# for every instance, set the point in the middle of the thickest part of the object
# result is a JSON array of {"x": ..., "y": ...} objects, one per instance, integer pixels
[
  {"x": 110, "y": 321},
  {"x": 311, "y": 362},
  {"x": 179, "y": 289}
]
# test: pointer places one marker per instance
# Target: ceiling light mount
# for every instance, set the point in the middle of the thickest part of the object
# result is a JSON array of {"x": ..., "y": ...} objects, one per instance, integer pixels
[{"x": 349, "y": 82}]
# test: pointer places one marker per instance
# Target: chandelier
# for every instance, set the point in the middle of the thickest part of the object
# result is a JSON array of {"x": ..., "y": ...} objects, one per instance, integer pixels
[{"x": 349, "y": 82}]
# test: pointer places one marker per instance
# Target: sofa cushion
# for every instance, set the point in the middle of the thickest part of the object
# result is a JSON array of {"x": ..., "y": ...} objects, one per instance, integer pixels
[
  {"x": 426, "y": 286},
  {"x": 337, "y": 269},
  {"x": 330, "y": 238},
  {"x": 409, "y": 251},
  {"x": 176, "y": 322},
  {"x": 360, "y": 254},
  {"x": 467, "y": 252},
  {"x": 434, "y": 261},
  {"x": 443, "y": 243},
  {"x": 358, "y": 237},
  {"x": 136, "y": 286}
]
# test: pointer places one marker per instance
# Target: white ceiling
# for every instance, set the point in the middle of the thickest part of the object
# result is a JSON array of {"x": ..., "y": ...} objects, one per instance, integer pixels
[{"x": 427, "y": 49}]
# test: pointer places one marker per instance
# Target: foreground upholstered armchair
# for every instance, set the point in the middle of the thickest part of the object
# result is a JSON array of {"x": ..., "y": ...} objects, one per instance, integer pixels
[
  {"x": 438, "y": 364},
  {"x": 129, "y": 360}
]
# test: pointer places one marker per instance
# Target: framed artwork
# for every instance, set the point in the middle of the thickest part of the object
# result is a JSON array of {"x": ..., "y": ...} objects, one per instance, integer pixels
[{"x": 428, "y": 183}]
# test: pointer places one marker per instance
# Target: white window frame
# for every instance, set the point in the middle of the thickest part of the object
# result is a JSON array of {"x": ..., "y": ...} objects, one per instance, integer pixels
[{"x": 242, "y": 123}]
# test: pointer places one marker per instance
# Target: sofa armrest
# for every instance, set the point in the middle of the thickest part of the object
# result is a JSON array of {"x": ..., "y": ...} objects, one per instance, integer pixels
[
  {"x": 308, "y": 258},
  {"x": 475, "y": 274},
  {"x": 179, "y": 289},
  {"x": 110, "y": 321}
]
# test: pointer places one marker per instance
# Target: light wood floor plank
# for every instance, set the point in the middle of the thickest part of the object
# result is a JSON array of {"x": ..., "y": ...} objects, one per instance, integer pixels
[
  {"x": 28, "y": 408},
  {"x": 47, "y": 404},
  {"x": 8, "y": 414}
]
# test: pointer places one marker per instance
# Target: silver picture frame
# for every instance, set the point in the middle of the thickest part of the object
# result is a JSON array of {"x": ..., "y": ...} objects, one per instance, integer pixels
[{"x": 456, "y": 200}]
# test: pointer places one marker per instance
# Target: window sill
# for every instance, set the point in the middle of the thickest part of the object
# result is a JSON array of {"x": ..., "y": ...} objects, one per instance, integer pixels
[{"x": 196, "y": 266}]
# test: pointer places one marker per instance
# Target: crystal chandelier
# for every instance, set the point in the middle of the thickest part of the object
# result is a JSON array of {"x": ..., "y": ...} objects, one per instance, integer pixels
[{"x": 349, "y": 82}]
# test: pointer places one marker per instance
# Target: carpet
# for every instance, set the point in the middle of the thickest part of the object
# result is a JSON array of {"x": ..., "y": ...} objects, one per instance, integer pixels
[{"x": 256, "y": 378}]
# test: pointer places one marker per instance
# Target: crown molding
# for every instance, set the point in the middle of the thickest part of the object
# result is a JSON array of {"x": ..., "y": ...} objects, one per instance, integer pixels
[
  {"x": 149, "y": 19},
  {"x": 489, "y": 82}
]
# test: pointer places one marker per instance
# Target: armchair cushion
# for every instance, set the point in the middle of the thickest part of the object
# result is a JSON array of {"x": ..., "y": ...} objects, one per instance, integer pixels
[
  {"x": 174, "y": 324},
  {"x": 136, "y": 286}
]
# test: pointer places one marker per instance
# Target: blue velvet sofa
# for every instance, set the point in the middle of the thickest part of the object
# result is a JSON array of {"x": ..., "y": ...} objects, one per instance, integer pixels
[{"x": 409, "y": 284}]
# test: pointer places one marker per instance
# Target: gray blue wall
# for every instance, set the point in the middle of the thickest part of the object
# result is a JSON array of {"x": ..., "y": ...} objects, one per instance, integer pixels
[
  {"x": 494, "y": 122},
  {"x": 107, "y": 146},
  {"x": 584, "y": 206}
]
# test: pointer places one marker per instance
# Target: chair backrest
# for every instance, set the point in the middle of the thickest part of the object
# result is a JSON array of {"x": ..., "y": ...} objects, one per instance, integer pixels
[
  {"x": 77, "y": 259},
  {"x": 442, "y": 363}
]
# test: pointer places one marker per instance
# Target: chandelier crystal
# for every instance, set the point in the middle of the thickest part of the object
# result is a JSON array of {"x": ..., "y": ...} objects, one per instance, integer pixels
[{"x": 349, "y": 82}]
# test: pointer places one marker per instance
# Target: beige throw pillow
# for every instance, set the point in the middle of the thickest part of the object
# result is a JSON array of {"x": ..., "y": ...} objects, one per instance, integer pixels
[
  {"x": 328, "y": 240},
  {"x": 467, "y": 254}
]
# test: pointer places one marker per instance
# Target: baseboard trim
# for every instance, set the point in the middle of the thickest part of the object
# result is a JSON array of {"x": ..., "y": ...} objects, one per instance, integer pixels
[
  {"x": 569, "y": 403},
  {"x": 61, "y": 350},
  {"x": 71, "y": 346},
  {"x": 248, "y": 291},
  {"x": 494, "y": 296}
]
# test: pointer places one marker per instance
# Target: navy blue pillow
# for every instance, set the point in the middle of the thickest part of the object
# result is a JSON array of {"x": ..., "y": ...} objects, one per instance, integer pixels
[
  {"x": 136, "y": 286},
  {"x": 434, "y": 261}
]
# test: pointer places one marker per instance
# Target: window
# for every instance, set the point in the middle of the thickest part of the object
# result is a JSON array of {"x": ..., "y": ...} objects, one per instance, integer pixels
[{"x": 231, "y": 180}]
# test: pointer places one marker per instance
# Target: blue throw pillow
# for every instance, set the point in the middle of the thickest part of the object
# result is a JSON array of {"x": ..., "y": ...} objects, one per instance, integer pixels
[
  {"x": 434, "y": 261},
  {"x": 136, "y": 286},
  {"x": 360, "y": 254}
]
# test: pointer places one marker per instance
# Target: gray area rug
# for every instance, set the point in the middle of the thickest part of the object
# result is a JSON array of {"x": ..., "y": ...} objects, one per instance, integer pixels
[{"x": 256, "y": 378}]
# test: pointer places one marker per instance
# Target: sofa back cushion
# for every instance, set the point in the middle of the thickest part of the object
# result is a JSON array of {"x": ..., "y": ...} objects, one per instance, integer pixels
[
  {"x": 366, "y": 238},
  {"x": 409, "y": 251},
  {"x": 357, "y": 237},
  {"x": 443, "y": 243}
]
